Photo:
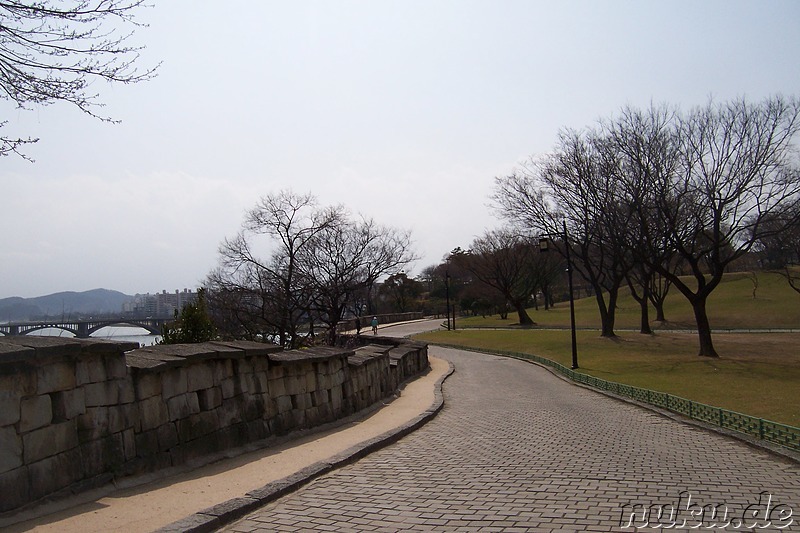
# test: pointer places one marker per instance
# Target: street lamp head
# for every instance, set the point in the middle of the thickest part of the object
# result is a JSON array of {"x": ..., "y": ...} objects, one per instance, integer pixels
[{"x": 544, "y": 244}]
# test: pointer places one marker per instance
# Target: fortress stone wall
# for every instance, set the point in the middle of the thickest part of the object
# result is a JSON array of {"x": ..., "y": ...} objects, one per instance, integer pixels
[{"x": 76, "y": 413}]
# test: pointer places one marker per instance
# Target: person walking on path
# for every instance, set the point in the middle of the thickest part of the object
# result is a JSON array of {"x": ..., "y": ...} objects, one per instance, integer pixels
[{"x": 374, "y": 325}]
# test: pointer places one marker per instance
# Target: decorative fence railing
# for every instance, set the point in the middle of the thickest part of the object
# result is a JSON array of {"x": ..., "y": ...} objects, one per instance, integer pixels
[{"x": 780, "y": 434}]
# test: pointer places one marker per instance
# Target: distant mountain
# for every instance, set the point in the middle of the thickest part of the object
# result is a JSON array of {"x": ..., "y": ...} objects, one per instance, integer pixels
[{"x": 63, "y": 305}]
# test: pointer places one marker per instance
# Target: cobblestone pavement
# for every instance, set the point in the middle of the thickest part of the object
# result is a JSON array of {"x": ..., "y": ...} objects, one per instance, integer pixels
[{"x": 518, "y": 449}]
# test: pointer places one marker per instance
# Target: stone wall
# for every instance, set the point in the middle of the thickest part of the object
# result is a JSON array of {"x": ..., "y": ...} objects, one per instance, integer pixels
[{"x": 77, "y": 413}]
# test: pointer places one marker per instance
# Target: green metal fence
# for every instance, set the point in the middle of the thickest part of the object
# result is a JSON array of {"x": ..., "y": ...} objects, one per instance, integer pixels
[{"x": 780, "y": 434}]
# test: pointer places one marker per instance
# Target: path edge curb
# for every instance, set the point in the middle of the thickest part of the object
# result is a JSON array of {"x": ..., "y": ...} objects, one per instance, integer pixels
[{"x": 212, "y": 518}]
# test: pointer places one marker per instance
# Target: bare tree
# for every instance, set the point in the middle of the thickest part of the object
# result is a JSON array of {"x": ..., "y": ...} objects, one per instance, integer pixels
[
  {"x": 344, "y": 258},
  {"x": 507, "y": 262},
  {"x": 571, "y": 187},
  {"x": 780, "y": 250},
  {"x": 640, "y": 148},
  {"x": 737, "y": 168},
  {"x": 268, "y": 270},
  {"x": 52, "y": 51}
]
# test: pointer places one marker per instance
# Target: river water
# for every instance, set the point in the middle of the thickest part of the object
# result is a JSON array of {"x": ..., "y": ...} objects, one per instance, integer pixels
[{"x": 112, "y": 333}]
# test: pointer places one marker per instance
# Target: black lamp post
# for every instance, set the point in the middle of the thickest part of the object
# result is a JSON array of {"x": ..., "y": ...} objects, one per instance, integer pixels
[
  {"x": 543, "y": 247},
  {"x": 447, "y": 292}
]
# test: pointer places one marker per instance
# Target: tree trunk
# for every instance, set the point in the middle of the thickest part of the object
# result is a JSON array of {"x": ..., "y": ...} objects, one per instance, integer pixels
[
  {"x": 659, "y": 305},
  {"x": 606, "y": 315},
  {"x": 703, "y": 328},
  {"x": 644, "y": 307},
  {"x": 524, "y": 319},
  {"x": 644, "y": 328}
]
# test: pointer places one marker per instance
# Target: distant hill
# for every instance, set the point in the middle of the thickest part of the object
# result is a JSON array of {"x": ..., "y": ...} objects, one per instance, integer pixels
[{"x": 63, "y": 305}]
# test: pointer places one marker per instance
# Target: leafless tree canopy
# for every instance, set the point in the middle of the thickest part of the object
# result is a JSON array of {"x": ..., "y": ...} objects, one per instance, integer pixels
[
  {"x": 296, "y": 265},
  {"x": 52, "y": 51},
  {"x": 662, "y": 192}
]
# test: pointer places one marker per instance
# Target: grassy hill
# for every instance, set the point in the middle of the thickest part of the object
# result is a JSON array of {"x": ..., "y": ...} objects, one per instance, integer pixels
[{"x": 731, "y": 306}]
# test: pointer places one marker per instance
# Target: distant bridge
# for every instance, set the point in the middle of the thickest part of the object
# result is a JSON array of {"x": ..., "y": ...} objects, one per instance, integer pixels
[{"x": 84, "y": 328}]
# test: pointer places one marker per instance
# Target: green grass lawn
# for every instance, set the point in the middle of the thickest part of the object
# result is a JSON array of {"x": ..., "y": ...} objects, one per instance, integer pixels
[
  {"x": 731, "y": 306},
  {"x": 757, "y": 373}
]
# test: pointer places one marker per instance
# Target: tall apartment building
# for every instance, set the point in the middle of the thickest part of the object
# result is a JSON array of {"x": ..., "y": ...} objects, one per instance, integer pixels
[{"x": 159, "y": 305}]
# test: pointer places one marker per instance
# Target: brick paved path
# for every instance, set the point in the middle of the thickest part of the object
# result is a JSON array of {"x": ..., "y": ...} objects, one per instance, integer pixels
[{"x": 517, "y": 449}]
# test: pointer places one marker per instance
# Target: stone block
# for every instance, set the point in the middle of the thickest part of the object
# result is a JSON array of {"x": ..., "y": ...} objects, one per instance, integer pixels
[
  {"x": 122, "y": 417},
  {"x": 239, "y": 435},
  {"x": 311, "y": 381},
  {"x": 102, "y": 455},
  {"x": 93, "y": 424},
  {"x": 55, "y": 376},
  {"x": 257, "y": 430},
  {"x": 260, "y": 383},
  {"x": 10, "y": 449},
  {"x": 9, "y": 408},
  {"x": 298, "y": 419},
  {"x": 201, "y": 446},
  {"x": 129, "y": 444},
  {"x": 228, "y": 388},
  {"x": 242, "y": 366},
  {"x": 312, "y": 416},
  {"x": 252, "y": 408},
  {"x": 325, "y": 414},
  {"x": 174, "y": 382},
  {"x": 82, "y": 376},
  {"x": 49, "y": 441},
  {"x": 247, "y": 383},
  {"x": 153, "y": 413},
  {"x": 182, "y": 406},
  {"x": 35, "y": 412},
  {"x": 116, "y": 367},
  {"x": 15, "y": 488},
  {"x": 222, "y": 370},
  {"x": 229, "y": 412},
  {"x": 323, "y": 381},
  {"x": 54, "y": 473},
  {"x": 147, "y": 385},
  {"x": 293, "y": 385},
  {"x": 276, "y": 372},
  {"x": 126, "y": 391},
  {"x": 283, "y": 404},
  {"x": 277, "y": 387},
  {"x": 200, "y": 376},
  {"x": 18, "y": 379},
  {"x": 197, "y": 425},
  {"x": 68, "y": 404},
  {"x": 269, "y": 406},
  {"x": 301, "y": 401},
  {"x": 90, "y": 369},
  {"x": 209, "y": 398},
  {"x": 102, "y": 393},
  {"x": 319, "y": 397},
  {"x": 146, "y": 443},
  {"x": 167, "y": 436}
]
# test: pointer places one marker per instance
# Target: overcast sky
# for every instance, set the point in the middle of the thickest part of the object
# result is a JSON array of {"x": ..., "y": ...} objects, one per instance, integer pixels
[{"x": 404, "y": 111}]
